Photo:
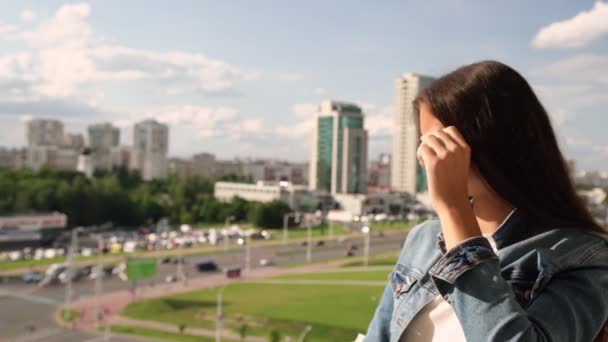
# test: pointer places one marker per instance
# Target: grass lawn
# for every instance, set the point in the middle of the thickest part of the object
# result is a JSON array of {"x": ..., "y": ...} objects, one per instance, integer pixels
[
  {"x": 158, "y": 334},
  {"x": 336, "y": 313},
  {"x": 374, "y": 275},
  {"x": 379, "y": 261}
]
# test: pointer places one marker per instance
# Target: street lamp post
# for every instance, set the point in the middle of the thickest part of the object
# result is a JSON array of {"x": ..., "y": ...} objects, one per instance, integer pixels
[
  {"x": 227, "y": 223},
  {"x": 366, "y": 232},
  {"x": 286, "y": 217},
  {"x": 309, "y": 241},
  {"x": 98, "y": 283},
  {"x": 219, "y": 323},
  {"x": 247, "y": 252},
  {"x": 69, "y": 271}
]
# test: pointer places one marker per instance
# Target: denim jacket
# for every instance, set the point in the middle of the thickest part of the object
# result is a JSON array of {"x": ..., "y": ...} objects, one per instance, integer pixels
[{"x": 541, "y": 285}]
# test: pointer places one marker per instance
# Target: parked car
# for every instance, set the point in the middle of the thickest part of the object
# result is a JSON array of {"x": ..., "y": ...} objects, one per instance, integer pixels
[{"x": 207, "y": 266}]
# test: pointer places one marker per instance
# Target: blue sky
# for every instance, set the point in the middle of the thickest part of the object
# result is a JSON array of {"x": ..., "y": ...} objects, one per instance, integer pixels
[{"x": 241, "y": 78}]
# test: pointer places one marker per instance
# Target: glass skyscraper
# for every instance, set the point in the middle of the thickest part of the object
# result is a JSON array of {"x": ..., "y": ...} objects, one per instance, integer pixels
[{"x": 339, "y": 153}]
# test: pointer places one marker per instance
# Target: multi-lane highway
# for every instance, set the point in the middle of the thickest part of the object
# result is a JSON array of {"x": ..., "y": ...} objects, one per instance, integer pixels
[{"x": 27, "y": 310}]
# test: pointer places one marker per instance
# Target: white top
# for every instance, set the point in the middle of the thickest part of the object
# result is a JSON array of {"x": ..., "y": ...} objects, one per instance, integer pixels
[{"x": 437, "y": 321}]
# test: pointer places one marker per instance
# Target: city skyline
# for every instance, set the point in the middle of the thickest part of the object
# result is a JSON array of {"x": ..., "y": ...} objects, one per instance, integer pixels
[{"x": 235, "y": 93}]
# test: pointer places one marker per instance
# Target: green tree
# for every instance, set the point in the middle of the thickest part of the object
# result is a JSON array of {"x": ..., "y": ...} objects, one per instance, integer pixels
[
  {"x": 274, "y": 336},
  {"x": 269, "y": 215},
  {"x": 243, "y": 330}
]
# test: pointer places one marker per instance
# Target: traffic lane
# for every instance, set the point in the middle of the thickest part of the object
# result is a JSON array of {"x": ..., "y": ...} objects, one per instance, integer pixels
[{"x": 279, "y": 255}]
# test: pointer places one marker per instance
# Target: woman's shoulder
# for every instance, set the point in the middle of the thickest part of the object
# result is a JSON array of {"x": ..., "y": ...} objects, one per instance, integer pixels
[
  {"x": 576, "y": 246},
  {"x": 424, "y": 232}
]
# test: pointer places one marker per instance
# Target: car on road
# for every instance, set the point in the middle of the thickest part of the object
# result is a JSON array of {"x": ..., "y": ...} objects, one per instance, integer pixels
[
  {"x": 207, "y": 266},
  {"x": 266, "y": 262},
  {"x": 52, "y": 273},
  {"x": 171, "y": 278},
  {"x": 33, "y": 277}
]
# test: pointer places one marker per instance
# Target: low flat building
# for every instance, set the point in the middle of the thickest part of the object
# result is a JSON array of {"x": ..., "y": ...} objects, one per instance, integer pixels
[
  {"x": 292, "y": 195},
  {"x": 20, "y": 231}
]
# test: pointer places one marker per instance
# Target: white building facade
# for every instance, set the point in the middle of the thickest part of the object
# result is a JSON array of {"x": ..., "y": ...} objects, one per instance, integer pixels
[
  {"x": 292, "y": 195},
  {"x": 406, "y": 132}
]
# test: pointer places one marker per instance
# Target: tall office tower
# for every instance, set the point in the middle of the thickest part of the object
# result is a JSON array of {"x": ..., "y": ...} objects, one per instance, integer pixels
[
  {"x": 150, "y": 148},
  {"x": 339, "y": 149},
  {"x": 405, "y": 173}
]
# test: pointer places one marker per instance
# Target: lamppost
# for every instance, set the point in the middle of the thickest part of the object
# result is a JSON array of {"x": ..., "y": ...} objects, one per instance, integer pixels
[
  {"x": 98, "y": 282},
  {"x": 227, "y": 223},
  {"x": 309, "y": 240},
  {"x": 69, "y": 271},
  {"x": 296, "y": 216},
  {"x": 247, "y": 252},
  {"x": 219, "y": 323},
  {"x": 366, "y": 232}
]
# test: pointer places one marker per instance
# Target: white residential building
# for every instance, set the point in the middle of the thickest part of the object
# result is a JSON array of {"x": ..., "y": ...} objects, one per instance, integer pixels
[
  {"x": 42, "y": 132},
  {"x": 103, "y": 139},
  {"x": 339, "y": 149},
  {"x": 150, "y": 148},
  {"x": 406, "y": 134}
]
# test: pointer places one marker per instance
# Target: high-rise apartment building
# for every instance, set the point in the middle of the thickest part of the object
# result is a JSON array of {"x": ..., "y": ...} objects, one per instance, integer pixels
[
  {"x": 42, "y": 132},
  {"x": 150, "y": 148},
  {"x": 103, "y": 139},
  {"x": 406, "y": 175},
  {"x": 339, "y": 149}
]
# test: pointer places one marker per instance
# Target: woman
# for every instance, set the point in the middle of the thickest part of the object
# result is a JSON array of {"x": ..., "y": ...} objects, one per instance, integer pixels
[{"x": 514, "y": 255}]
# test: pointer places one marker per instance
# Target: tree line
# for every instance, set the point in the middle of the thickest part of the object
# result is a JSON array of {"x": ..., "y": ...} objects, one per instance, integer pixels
[{"x": 124, "y": 199}]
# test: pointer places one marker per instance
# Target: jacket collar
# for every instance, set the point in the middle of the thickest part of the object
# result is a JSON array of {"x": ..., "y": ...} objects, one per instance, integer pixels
[{"x": 514, "y": 229}]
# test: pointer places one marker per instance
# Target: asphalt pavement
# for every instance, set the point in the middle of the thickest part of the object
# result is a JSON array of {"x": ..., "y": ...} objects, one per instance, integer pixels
[{"x": 28, "y": 311}]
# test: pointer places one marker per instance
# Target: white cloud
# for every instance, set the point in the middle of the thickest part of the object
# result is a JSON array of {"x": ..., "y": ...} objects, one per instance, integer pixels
[
  {"x": 299, "y": 130},
  {"x": 293, "y": 76},
  {"x": 319, "y": 91},
  {"x": 69, "y": 54},
  {"x": 28, "y": 15},
  {"x": 6, "y": 28},
  {"x": 380, "y": 123},
  {"x": 581, "y": 30},
  {"x": 304, "y": 110},
  {"x": 366, "y": 106},
  {"x": 585, "y": 67}
]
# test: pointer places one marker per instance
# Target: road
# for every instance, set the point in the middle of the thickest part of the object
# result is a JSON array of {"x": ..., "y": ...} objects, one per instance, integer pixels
[{"x": 24, "y": 306}]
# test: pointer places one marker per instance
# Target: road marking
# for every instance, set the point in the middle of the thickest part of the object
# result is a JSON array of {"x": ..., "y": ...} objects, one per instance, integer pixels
[{"x": 28, "y": 297}]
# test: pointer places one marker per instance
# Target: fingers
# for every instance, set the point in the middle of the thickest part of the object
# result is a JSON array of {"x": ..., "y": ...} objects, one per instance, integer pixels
[
  {"x": 435, "y": 143},
  {"x": 456, "y": 136},
  {"x": 425, "y": 153}
]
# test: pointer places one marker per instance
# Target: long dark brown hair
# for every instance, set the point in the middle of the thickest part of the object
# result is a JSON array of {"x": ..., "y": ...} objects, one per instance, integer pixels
[{"x": 512, "y": 142}]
